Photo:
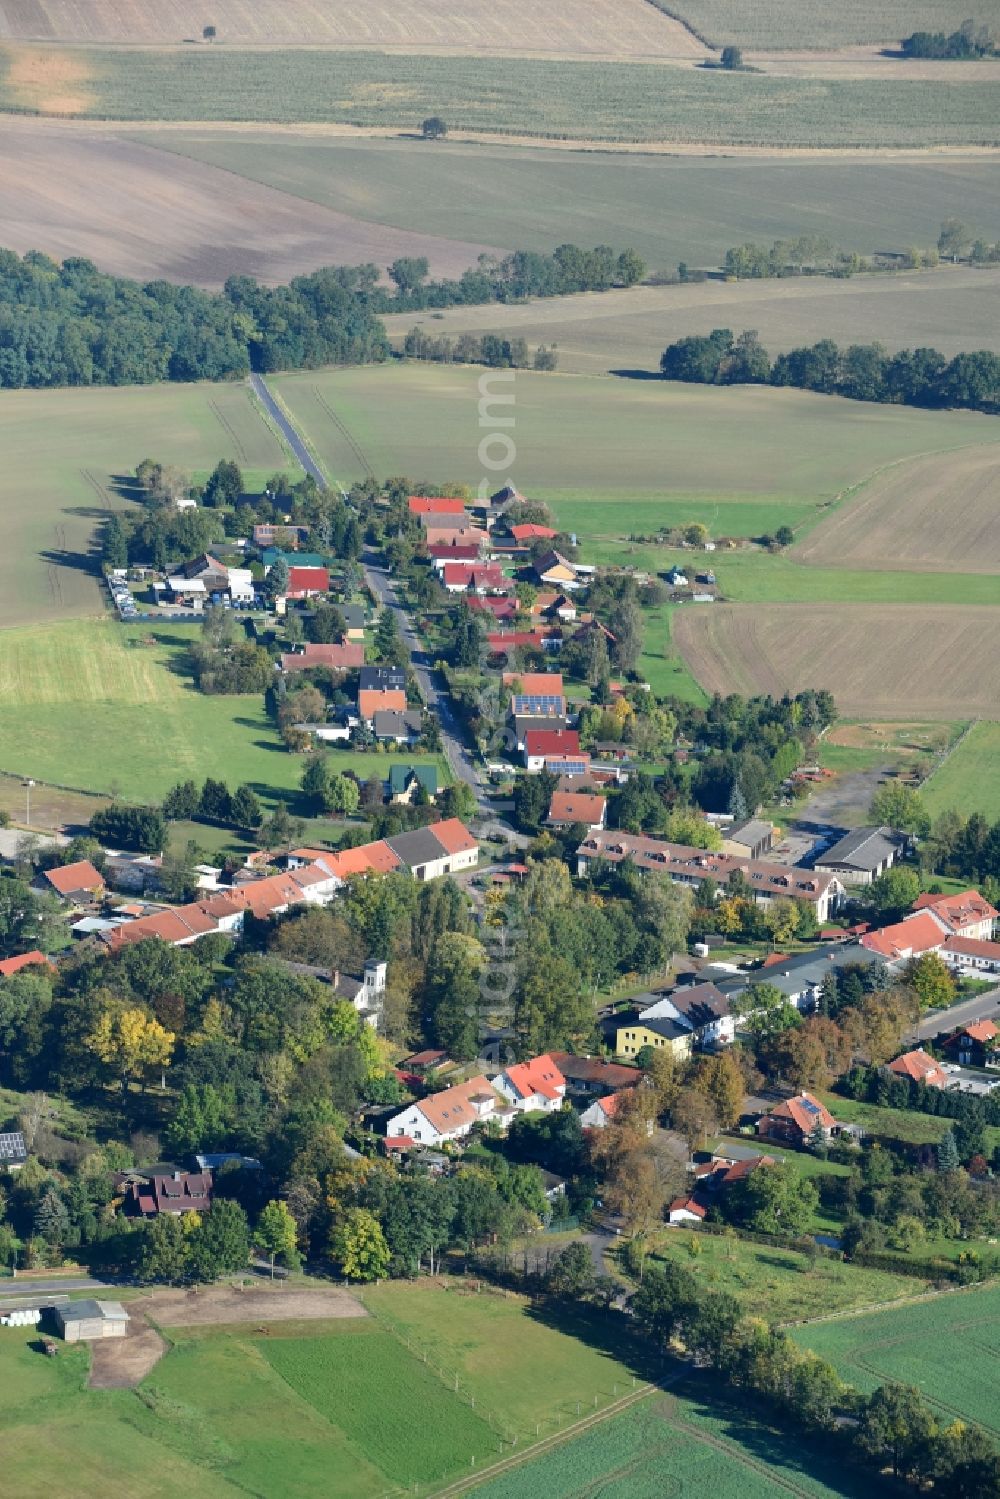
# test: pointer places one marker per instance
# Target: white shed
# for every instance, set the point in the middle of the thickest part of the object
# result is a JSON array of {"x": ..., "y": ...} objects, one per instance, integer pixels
[{"x": 79, "y": 1320}]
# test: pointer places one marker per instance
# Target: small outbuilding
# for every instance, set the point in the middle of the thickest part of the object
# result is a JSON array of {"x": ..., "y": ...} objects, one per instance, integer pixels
[{"x": 81, "y": 1321}]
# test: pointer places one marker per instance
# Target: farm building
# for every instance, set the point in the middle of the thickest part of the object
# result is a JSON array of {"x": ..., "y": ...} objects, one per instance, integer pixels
[
  {"x": 861, "y": 856},
  {"x": 85, "y": 1321}
]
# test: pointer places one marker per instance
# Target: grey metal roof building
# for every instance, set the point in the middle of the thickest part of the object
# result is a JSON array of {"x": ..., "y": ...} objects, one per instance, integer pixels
[
  {"x": 862, "y": 855},
  {"x": 79, "y": 1320},
  {"x": 799, "y": 978}
]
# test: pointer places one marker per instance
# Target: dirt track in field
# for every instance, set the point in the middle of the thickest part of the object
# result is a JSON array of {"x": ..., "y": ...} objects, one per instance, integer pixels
[
  {"x": 123, "y": 1363},
  {"x": 136, "y": 211},
  {"x": 938, "y": 661},
  {"x": 932, "y": 514}
]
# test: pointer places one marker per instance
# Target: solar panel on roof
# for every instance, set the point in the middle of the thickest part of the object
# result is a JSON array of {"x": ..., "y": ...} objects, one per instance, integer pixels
[{"x": 810, "y": 1108}]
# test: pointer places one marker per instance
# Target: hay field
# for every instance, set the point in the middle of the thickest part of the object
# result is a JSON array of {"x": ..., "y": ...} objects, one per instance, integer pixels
[
  {"x": 612, "y": 28},
  {"x": 615, "y": 101},
  {"x": 633, "y": 448},
  {"x": 814, "y": 23},
  {"x": 878, "y": 660},
  {"x": 934, "y": 514},
  {"x": 136, "y": 211},
  {"x": 60, "y": 449},
  {"x": 953, "y": 310},
  {"x": 670, "y": 208}
]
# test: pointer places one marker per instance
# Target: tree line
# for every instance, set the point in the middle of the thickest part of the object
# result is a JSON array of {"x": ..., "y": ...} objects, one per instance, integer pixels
[
  {"x": 491, "y": 349},
  {"x": 522, "y": 274},
  {"x": 861, "y": 372},
  {"x": 969, "y": 41}
]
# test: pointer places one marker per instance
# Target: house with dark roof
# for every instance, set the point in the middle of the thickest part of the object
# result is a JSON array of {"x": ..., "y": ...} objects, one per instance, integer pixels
[
  {"x": 704, "y": 1009},
  {"x": 148, "y": 1194},
  {"x": 392, "y": 726},
  {"x": 406, "y": 781},
  {"x": 637, "y": 1032},
  {"x": 751, "y": 839},
  {"x": 862, "y": 855},
  {"x": 441, "y": 848},
  {"x": 800, "y": 976},
  {"x": 592, "y": 1075}
]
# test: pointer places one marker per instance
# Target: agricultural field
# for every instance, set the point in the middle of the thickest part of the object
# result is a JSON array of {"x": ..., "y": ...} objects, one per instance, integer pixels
[
  {"x": 968, "y": 778},
  {"x": 110, "y": 708},
  {"x": 936, "y": 514},
  {"x": 62, "y": 452},
  {"x": 612, "y": 28},
  {"x": 616, "y": 457},
  {"x": 139, "y": 212},
  {"x": 676, "y": 1444},
  {"x": 785, "y": 23},
  {"x": 928, "y": 661},
  {"x": 583, "y": 101},
  {"x": 669, "y": 207},
  {"x": 781, "y": 1284},
  {"x": 625, "y": 332},
  {"x": 948, "y": 1346}
]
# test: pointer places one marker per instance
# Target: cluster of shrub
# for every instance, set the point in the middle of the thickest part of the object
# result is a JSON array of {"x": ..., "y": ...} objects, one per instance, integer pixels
[
  {"x": 491, "y": 349},
  {"x": 862, "y": 372},
  {"x": 969, "y": 41}
]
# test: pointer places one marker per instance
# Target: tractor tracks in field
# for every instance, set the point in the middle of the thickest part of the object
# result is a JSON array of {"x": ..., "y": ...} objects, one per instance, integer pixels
[
  {"x": 230, "y": 430},
  {"x": 344, "y": 431}
]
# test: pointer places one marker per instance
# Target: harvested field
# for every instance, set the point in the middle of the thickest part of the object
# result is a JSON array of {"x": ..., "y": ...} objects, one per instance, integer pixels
[
  {"x": 609, "y": 28},
  {"x": 136, "y": 211},
  {"x": 217, "y": 1305},
  {"x": 123, "y": 1363},
  {"x": 953, "y": 310},
  {"x": 934, "y": 514},
  {"x": 814, "y": 23},
  {"x": 669, "y": 207},
  {"x": 878, "y": 660},
  {"x": 569, "y": 99}
]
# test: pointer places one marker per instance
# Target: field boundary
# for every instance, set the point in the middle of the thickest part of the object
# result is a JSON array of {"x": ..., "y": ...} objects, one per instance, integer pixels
[{"x": 849, "y": 1313}]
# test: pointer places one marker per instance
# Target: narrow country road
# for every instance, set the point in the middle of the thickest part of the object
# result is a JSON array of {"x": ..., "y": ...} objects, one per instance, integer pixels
[
  {"x": 382, "y": 587},
  {"x": 22, "y": 1289}
]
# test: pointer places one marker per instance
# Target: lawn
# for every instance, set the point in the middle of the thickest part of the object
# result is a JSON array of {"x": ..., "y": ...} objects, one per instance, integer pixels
[
  {"x": 947, "y": 1346},
  {"x": 781, "y": 1284},
  {"x": 636, "y": 453},
  {"x": 61, "y": 450},
  {"x": 895, "y": 1124},
  {"x": 530, "y": 1371},
  {"x": 668, "y": 208},
  {"x": 631, "y": 101},
  {"x": 969, "y": 779},
  {"x": 661, "y": 665},
  {"x": 670, "y": 1445},
  {"x": 101, "y": 709}
]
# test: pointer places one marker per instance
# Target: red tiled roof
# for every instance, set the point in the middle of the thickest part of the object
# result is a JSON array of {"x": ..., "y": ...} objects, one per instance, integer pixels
[
  {"x": 539, "y": 1075},
  {"x": 688, "y": 1205},
  {"x": 68, "y": 879},
  {"x": 455, "y": 1107},
  {"x": 535, "y": 683},
  {"x": 372, "y": 700},
  {"x": 501, "y": 609},
  {"x": 576, "y": 806},
  {"x": 982, "y": 1031},
  {"x": 24, "y": 960},
  {"x": 473, "y": 575},
  {"x": 508, "y": 640},
  {"x": 921, "y": 1068},
  {"x": 958, "y": 910},
  {"x": 972, "y": 947},
  {"x": 803, "y": 1110},
  {"x": 453, "y": 836},
  {"x": 308, "y": 579},
  {"x": 431, "y": 504},
  {"x": 370, "y": 858},
  {"x": 455, "y": 551},
  {"x": 533, "y": 533},
  {"x": 343, "y": 657},
  {"x": 552, "y": 742},
  {"x": 398, "y": 1142},
  {"x": 919, "y": 934}
]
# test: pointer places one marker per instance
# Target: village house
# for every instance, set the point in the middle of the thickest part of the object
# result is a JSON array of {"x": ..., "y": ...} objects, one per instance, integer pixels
[
  {"x": 80, "y": 884},
  {"x": 570, "y": 807},
  {"x": 345, "y": 656},
  {"x": 405, "y": 782},
  {"x": 918, "y": 1067},
  {"x": 703, "y": 1009},
  {"x": 428, "y": 504},
  {"x": 540, "y": 744},
  {"x": 590, "y": 1075},
  {"x": 449, "y": 1115},
  {"x": 600, "y": 1113},
  {"x": 381, "y": 689},
  {"x": 31, "y": 959},
  {"x": 307, "y": 582},
  {"x": 971, "y": 958},
  {"x": 967, "y": 914},
  {"x": 554, "y": 571},
  {"x": 797, "y": 1119},
  {"x": 536, "y": 1086},
  {"x": 474, "y": 577},
  {"x": 658, "y": 1032},
  {"x": 977, "y": 1044},
  {"x": 147, "y": 1194},
  {"x": 800, "y": 977},
  {"x": 691, "y": 866},
  {"x": 862, "y": 855},
  {"x": 441, "y": 848},
  {"x": 897, "y": 944},
  {"x": 389, "y": 725}
]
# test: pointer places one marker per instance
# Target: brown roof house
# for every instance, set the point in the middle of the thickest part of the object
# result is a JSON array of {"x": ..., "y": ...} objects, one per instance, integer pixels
[
  {"x": 147, "y": 1194},
  {"x": 795, "y": 1120}
]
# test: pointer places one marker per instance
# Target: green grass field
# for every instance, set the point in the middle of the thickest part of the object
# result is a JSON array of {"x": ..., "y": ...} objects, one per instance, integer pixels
[
  {"x": 575, "y": 100},
  {"x": 968, "y": 779},
  {"x": 89, "y": 704},
  {"x": 61, "y": 450},
  {"x": 785, "y": 23},
  {"x": 676, "y": 1445},
  {"x": 669, "y": 208},
  {"x": 899, "y": 1124},
  {"x": 781, "y": 1284},
  {"x": 663, "y": 667},
  {"x": 615, "y": 457},
  {"x": 947, "y": 1346}
]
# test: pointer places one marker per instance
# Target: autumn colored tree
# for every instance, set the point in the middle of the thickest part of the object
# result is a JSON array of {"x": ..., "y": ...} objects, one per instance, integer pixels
[
  {"x": 358, "y": 1245},
  {"x": 130, "y": 1042},
  {"x": 721, "y": 1080}
]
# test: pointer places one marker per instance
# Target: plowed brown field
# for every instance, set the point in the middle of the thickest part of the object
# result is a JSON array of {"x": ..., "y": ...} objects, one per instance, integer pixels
[
  {"x": 878, "y": 660},
  {"x": 136, "y": 211},
  {"x": 934, "y": 514},
  {"x": 611, "y": 28}
]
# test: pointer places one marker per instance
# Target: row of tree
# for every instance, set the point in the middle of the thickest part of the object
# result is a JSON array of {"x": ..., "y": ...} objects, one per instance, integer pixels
[
  {"x": 969, "y": 41},
  {"x": 489, "y": 348},
  {"x": 513, "y": 278},
  {"x": 862, "y": 372}
]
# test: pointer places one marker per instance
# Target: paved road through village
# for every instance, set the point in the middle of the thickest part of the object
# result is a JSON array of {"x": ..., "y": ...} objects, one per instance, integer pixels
[{"x": 382, "y": 587}]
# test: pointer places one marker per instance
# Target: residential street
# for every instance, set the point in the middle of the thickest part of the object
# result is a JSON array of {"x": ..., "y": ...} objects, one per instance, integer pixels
[
  {"x": 381, "y": 585},
  {"x": 983, "y": 1006}
]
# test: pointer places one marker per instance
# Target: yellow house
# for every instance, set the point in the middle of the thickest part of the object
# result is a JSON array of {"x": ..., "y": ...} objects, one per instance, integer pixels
[{"x": 661, "y": 1034}]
